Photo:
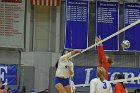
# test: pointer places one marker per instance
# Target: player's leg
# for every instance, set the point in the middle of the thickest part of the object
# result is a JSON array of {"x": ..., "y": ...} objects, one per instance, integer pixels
[
  {"x": 68, "y": 89},
  {"x": 60, "y": 88}
]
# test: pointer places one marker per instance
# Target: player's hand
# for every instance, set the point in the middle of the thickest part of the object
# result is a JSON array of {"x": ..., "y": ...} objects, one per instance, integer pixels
[
  {"x": 77, "y": 51},
  {"x": 98, "y": 39}
]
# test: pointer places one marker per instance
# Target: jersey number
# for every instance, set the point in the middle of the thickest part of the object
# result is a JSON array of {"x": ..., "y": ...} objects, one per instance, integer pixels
[{"x": 104, "y": 85}]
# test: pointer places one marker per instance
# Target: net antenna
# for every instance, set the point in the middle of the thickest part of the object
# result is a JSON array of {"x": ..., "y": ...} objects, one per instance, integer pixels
[{"x": 107, "y": 38}]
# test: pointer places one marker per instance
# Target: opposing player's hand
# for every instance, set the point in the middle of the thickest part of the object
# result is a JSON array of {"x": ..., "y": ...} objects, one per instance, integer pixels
[{"x": 98, "y": 39}]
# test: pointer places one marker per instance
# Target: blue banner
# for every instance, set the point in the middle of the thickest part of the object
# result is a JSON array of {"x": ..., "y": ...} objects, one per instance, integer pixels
[
  {"x": 8, "y": 74},
  {"x": 83, "y": 75},
  {"x": 132, "y": 14},
  {"x": 107, "y": 23},
  {"x": 76, "y": 32}
]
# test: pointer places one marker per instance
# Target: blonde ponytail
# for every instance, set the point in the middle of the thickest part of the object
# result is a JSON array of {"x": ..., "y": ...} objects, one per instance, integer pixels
[{"x": 101, "y": 73}]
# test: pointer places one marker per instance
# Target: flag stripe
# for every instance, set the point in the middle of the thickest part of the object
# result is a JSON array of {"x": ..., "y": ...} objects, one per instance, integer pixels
[
  {"x": 58, "y": 2},
  {"x": 40, "y": 2},
  {"x": 31, "y": 1},
  {"x": 48, "y": 2},
  {"x": 36, "y": 2},
  {"x": 53, "y": 2},
  {"x": 44, "y": 2}
]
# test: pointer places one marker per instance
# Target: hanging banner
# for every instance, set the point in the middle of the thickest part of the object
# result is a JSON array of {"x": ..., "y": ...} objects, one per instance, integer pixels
[
  {"x": 84, "y": 74},
  {"x": 45, "y": 2},
  {"x": 107, "y": 23},
  {"x": 12, "y": 13},
  {"x": 76, "y": 28},
  {"x": 14, "y": 1},
  {"x": 132, "y": 14},
  {"x": 8, "y": 74}
]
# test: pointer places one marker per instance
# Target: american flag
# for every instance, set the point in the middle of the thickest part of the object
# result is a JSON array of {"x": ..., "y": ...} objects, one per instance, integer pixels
[
  {"x": 12, "y": 1},
  {"x": 45, "y": 2}
]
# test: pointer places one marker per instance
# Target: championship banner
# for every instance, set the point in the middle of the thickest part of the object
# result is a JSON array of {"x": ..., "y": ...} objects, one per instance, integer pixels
[
  {"x": 84, "y": 74},
  {"x": 132, "y": 14},
  {"x": 76, "y": 28},
  {"x": 8, "y": 74},
  {"x": 14, "y": 1},
  {"x": 107, "y": 23},
  {"x": 12, "y": 13}
]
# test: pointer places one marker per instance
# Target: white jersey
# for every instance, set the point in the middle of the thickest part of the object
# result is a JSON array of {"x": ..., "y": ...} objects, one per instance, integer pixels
[
  {"x": 62, "y": 63},
  {"x": 96, "y": 86}
]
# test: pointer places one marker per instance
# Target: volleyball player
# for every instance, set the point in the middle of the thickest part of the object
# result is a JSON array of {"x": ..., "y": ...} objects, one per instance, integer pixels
[
  {"x": 120, "y": 87},
  {"x": 104, "y": 61},
  {"x": 64, "y": 72},
  {"x": 99, "y": 84}
]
